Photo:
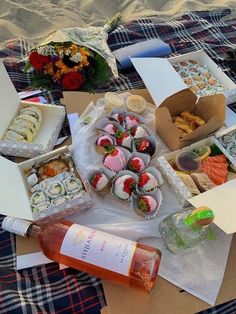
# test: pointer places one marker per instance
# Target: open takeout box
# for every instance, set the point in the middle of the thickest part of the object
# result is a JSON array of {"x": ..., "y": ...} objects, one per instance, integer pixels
[
  {"x": 172, "y": 97},
  {"x": 53, "y": 117},
  {"x": 162, "y": 80},
  {"x": 221, "y": 199},
  {"x": 210, "y": 108},
  {"x": 15, "y": 196}
]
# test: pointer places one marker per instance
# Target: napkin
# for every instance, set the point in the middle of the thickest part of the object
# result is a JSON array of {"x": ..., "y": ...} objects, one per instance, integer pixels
[{"x": 149, "y": 48}]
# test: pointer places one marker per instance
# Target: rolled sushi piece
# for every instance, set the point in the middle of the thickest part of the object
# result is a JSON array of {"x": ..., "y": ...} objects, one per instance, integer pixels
[
  {"x": 32, "y": 111},
  {"x": 14, "y": 136},
  {"x": 59, "y": 200},
  {"x": 55, "y": 189},
  {"x": 38, "y": 197},
  {"x": 29, "y": 118},
  {"x": 40, "y": 207},
  {"x": 73, "y": 185},
  {"x": 23, "y": 131}
]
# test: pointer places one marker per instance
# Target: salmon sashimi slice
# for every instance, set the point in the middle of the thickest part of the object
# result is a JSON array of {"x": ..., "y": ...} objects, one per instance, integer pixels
[
  {"x": 214, "y": 165},
  {"x": 217, "y": 158},
  {"x": 217, "y": 175}
]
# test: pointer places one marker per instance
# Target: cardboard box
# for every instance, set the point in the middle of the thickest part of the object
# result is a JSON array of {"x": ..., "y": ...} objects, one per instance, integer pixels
[
  {"x": 167, "y": 298},
  {"x": 53, "y": 117},
  {"x": 15, "y": 197},
  {"x": 210, "y": 108},
  {"x": 162, "y": 80},
  {"x": 220, "y": 199}
]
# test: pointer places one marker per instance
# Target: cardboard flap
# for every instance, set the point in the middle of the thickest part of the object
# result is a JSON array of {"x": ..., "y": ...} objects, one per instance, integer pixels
[
  {"x": 183, "y": 100},
  {"x": 209, "y": 106},
  {"x": 14, "y": 199},
  {"x": 159, "y": 77},
  {"x": 9, "y": 100},
  {"x": 221, "y": 200},
  {"x": 167, "y": 128}
]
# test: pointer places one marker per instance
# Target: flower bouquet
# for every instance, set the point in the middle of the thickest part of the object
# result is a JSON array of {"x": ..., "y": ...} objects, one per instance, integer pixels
[{"x": 72, "y": 59}]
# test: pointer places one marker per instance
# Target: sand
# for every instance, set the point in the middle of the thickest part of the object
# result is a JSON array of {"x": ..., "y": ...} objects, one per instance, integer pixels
[{"x": 34, "y": 19}]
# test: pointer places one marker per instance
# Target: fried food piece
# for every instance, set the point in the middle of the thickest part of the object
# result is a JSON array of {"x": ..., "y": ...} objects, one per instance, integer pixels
[
  {"x": 190, "y": 117},
  {"x": 183, "y": 127},
  {"x": 180, "y": 120}
]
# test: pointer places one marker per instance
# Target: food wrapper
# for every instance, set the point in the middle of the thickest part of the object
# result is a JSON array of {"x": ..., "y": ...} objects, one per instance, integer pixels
[{"x": 94, "y": 38}]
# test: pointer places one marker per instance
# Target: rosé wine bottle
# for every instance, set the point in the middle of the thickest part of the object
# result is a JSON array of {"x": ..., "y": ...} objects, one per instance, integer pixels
[{"x": 101, "y": 254}]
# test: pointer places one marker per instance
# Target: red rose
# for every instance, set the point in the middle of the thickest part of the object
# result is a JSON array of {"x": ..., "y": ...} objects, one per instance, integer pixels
[
  {"x": 72, "y": 80},
  {"x": 38, "y": 61}
]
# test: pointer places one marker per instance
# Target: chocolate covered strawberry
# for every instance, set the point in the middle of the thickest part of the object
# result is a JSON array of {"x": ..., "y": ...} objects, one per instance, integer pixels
[
  {"x": 103, "y": 143},
  {"x": 99, "y": 181},
  {"x": 123, "y": 139},
  {"x": 136, "y": 164},
  {"x": 131, "y": 121},
  {"x": 146, "y": 204},
  {"x": 138, "y": 131},
  {"x": 147, "y": 182},
  {"x": 124, "y": 186},
  {"x": 117, "y": 117},
  {"x": 110, "y": 128},
  {"x": 144, "y": 146},
  {"x": 115, "y": 160}
]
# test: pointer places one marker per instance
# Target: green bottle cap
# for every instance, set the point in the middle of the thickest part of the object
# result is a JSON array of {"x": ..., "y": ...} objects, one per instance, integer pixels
[{"x": 203, "y": 217}]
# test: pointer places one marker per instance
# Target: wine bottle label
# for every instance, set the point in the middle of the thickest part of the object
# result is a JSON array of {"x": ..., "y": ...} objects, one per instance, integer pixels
[
  {"x": 16, "y": 225},
  {"x": 98, "y": 248}
]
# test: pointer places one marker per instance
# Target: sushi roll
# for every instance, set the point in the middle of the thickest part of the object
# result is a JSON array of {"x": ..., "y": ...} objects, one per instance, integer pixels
[
  {"x": 14, "y": 136},
  {"x": 32, "y": 111},
  {"x": 73, "y": 185},
  {"x": 29, "y": 118},
  {"x": 23, "y": 131},
  {"x": 40, "y": 207},
  {"x": 37, "y": 198},
  {"x": 60, "y": 200},
  {"x": 55, "y": 189}
]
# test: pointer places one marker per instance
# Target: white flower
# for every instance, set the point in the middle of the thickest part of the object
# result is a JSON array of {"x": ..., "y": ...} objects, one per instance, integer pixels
[
  {"x": 77, "y": 57},
  {"x": 67, "y": 52},
  {"x": 46, "y": 50}
]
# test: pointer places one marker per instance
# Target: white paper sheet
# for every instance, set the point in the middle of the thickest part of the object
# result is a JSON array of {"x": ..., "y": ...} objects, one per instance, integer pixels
[{"x": 199, "y": 271}]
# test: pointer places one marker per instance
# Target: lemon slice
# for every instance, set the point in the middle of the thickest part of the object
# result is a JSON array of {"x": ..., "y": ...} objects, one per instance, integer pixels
[
  {"x": 136, "y": 103},
  {"x": 203, "y": 152}
]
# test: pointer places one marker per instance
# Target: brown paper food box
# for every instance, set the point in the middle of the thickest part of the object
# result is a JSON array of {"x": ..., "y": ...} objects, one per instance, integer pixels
[
  {"x": 210, "y": 108},
  {"x": 166, "y": 298}
]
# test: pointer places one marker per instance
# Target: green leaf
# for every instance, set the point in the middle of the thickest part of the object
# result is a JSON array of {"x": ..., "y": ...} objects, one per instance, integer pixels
[
  {"x": 42, "y": 80},
  {"x": 27, "y": 67}
]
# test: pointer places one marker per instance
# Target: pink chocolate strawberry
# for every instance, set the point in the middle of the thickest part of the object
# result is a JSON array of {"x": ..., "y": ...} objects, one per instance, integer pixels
[
  {"x": 146, "y": 203},
  {"x": 131, "y": 121},
  {"x": 147, "y": 181},
  {"x": 115, "y": 160}
]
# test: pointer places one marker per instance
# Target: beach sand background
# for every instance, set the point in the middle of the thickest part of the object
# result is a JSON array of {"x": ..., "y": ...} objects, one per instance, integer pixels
[{"x": 35, "y": 19}]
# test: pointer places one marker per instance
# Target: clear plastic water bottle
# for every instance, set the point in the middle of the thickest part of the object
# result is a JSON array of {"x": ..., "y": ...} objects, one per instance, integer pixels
[{"x": 186, "y": 228}]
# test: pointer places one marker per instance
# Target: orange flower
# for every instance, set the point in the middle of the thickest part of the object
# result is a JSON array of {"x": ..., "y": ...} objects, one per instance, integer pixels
[{"x": 48, "y": 68}]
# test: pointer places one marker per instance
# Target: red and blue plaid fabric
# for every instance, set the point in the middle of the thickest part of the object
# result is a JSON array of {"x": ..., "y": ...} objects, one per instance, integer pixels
[{"x": 47, "y": 289}]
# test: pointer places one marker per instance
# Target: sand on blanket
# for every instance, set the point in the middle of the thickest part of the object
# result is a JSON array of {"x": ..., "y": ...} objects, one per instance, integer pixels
[{"x": 34, "y": 19}]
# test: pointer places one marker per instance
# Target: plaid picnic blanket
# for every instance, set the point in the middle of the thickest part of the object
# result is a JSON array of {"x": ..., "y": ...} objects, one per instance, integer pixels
[{"x": 47, "y": 289}]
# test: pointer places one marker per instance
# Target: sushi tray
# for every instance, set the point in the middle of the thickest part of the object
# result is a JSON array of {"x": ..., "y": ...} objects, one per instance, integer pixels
[
  {"x": 27, "y": 129},
  {"x": 203, "y": 174},
  {"x": 43, "y": 187}
]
